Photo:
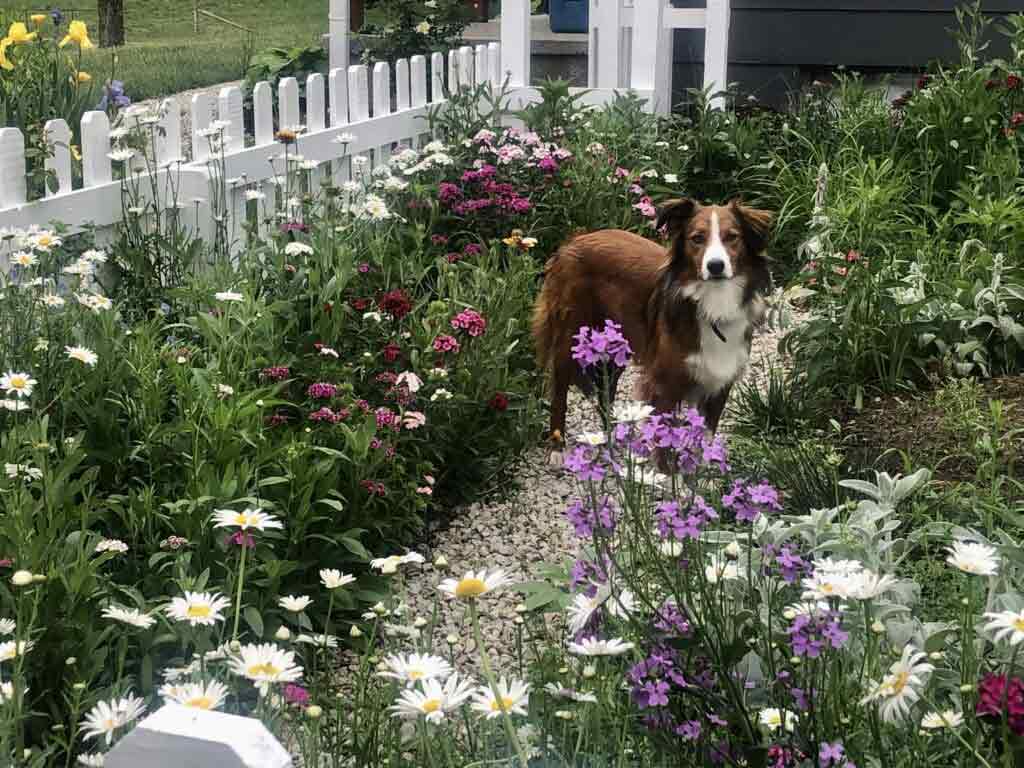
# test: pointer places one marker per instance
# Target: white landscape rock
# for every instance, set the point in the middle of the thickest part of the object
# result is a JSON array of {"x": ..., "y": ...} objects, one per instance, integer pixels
[{"x": 185, "y": 737}]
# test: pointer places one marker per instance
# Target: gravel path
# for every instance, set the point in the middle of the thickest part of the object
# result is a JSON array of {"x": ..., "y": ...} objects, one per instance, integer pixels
[{"x": 519, "y": 534}]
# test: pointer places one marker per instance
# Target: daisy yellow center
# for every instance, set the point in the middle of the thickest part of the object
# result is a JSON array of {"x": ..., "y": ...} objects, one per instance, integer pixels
[
  {"x": 899, "y": 683},
  {"x": 266, "y": 669},
  {"x": 242, "y": 519},
  {"x": 416, "y": 674},
  {"x": 200, "y": 702},
  {"x": 109, "y": 724},
  {"x": 199, "y": 611},
  {"x": 504, "y": 704},
  {"x": 775, "y": 719},
  {"x": 18, "y": 382},
  {"x": 828, "y": 589},
  {"x": 431, "y": 705},
  {"x": 1018, "y": 624},
  {"x": 470, "y": 588},
  {"x": 45, "y": 241}
]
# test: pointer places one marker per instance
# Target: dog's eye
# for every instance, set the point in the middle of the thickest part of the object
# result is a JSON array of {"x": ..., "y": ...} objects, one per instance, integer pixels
[
  {"x": 730, "y": 237},
  {"x": 697, "y": 239}
]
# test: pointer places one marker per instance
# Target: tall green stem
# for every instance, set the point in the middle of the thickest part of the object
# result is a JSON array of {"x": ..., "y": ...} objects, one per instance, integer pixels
[{"x": 238, "y": 593}]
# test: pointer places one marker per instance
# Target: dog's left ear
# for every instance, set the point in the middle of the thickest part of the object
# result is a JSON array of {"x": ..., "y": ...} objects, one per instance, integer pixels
[
  {"x": 756, "y": 224},
  {"x": 675, "y": 215}
]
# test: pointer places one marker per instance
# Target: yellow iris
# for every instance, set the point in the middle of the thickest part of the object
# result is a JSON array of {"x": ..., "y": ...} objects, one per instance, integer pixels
[
  {"x": 5, "y": 63},
  {"x": 84, "y": 77},
  {"x": 78, "y": 33},
  {"x": 18, "y": 33},
  {"x": 38, "y": 19}
]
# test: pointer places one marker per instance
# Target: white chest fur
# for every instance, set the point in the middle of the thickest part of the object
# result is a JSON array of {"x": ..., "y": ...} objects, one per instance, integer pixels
[{"x": 720, "y": 363}]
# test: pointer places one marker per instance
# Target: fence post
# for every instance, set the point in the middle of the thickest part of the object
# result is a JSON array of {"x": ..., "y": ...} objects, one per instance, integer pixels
[
  {"x": 337, "y": 28},
  {"x": 176, "y": 736},
  {"x": 716, "y": 49},
  {"x": 515, "y": 42},
  {"x": 604, "y": 54},
  {"x": 648, "y": 50}
]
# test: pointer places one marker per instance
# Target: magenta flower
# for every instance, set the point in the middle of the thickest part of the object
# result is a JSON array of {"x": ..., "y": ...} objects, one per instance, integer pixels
[
  {"x": 322, "y": 391},
  {"x": 296, "y": 694},
  {"x": 325, "y": 414},
  {"x": 470, "y": 321},
  {"x": 445, "y": 344},
  {"x": 276, "y": 373}
]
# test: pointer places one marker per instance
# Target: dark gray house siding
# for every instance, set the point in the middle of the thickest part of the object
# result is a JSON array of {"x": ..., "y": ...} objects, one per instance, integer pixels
[{"x": 777, "y": 45}]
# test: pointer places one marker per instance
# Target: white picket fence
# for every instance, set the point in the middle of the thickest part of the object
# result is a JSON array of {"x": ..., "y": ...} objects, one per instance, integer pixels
[{"x": 630, "y": 47}]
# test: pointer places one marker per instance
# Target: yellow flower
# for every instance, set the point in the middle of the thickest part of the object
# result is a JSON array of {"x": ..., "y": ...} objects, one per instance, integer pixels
[
  {"x": 84, "y": 77},
  {"x": 78, "y": 33},
  {"x": 18, "y": 33},
  {"x": 38, "y": 19},
  {"x": 5, "y": 63},
  {"x": 76, "y": 153}
]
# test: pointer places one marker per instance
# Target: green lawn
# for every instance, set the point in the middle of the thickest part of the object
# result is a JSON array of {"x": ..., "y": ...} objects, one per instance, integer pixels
[{"x": 164, "y": 55}]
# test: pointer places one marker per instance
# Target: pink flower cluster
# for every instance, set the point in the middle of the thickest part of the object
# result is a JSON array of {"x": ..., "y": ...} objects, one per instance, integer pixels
[
  {"x": 480, "y": 191},
  {"x": 325, "y": 414},
  {"x": 372, "y": 488},
  {"x": 445, "y": 343},
  {"x": 386, "y": 418},
  {"x": 322, "y": 391},
  {"x": 276, "y": 373},
  {"x": 470, "y": 321}
]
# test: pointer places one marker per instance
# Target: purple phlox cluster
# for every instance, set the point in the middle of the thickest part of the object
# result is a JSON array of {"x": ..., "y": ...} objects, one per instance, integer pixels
[
  {"x": 322, "y": 391},
  {"x": 676, "y": 523},
  {"x": 386, "y": 418},
  {"x": 749, "y": 501},
  {"x": 683, "y": 436},
  {"x": 715, "y": 454},
  {"x": 833, "y": 755},
  {"x": 594, "y": 346},
  {"x": 671, "y": 621},
  {"x": 586, "y": 576},
  {"x": 470, "y": 321},
  {"x": 809, "y": 634},
  {"x": 586, "y": 520},
  {"x": 587, "y": 462},
  {"x": 655, "y": 677},
  {"x": 787, "y": 560}
]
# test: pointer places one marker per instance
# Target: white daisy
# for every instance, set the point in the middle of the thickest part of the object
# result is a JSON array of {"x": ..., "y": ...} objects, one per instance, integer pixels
[
  {"x": 14, "y": 405},
  {"x": 592, "y": 439},
  {"x": 823, "y": 585},
  {"x": 631, "y": 413},
  {"x": 415, "y": 668},
  {"x": 18, "y": 384},
  {"x": 568, "y": 693},
  {"x": 7, "y": 627},
  {"x": 900, "y": 689},
  {"x": 26, "y": 471},
  {"x": 82, "y": 355},
  {"x": 44, "y": 241},
  {"x": 1006, "y": 625},
  {"x": 591, "y": 646},
  {"x": 131, "y": 616},
  {"x": 344, "y": 138},
  {"x": 24, "y": 259},
  {"x": 6, "y": 692},
  {"x": 721, "y": 569},
  {"x": 867, "y": 585},
  {"x": 474, "y": 585},
  {"x": 121, "y": 155},
  {"x": 106, "y": 717},
  {"x": 440, "y": 394},
  {"x": 111, "y": 545},
  {"x": 196, "y": 695},
  {"x": 298, "y": 249},
  {"x": 950, "y": 718},
  {"x": 224, "y": 391},
  {"x": 94, "y": 256},
  {"x": 52, "y": 300},
  {"x": 255, "y": 194},
  {"x": 773, "y": 719},
  {"x": 332, "y": 578},
  {"x": 198, "y": 608},
  {"x": 390, "y": 564},
  {"x": 511, "y": 697},
  {"x": 974, "y": 558},
  {"x": 328, "y": 352},
  {"x": 228, "y": 296},
  {"x": 433, "y": 701},
  {"x": 93, "y": 760},
  {"x": 12, "y": 649},
  {"x": 295, "y": 604},
  {"x": 266, "y": 663},
  {"x": 322, "y": 641},
  {"x": 246, "y": 519}
]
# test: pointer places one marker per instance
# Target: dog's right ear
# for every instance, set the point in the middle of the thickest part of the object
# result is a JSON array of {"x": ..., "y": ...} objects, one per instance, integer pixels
[{"x": 675, "y": 215}]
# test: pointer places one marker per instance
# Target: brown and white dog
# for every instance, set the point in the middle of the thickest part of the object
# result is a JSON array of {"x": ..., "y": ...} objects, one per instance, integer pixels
[{"x": 689, "y": 311}]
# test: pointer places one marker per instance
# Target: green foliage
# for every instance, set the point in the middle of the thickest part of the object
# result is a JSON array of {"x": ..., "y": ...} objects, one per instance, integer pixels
[{"x": 398, "y": 29}]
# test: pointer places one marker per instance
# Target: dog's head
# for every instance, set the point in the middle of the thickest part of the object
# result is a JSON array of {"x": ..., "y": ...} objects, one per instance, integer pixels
[{"x": 715, "y": 242}]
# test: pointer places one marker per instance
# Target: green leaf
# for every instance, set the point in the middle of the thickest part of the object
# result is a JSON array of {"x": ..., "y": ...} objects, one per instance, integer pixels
[{"x": 254, "y": 620}]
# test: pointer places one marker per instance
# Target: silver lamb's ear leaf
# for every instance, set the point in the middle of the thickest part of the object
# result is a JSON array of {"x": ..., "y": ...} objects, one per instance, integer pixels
[
  {"x": 907, "y": 486},
  {"x": 862, "y": 486}
]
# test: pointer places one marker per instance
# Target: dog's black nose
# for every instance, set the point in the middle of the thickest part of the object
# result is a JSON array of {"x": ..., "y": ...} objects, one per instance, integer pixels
[{"x": 716, "y": 267}]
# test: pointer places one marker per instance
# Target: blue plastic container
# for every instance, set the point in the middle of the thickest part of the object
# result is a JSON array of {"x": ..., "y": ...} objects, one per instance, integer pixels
[{"x": 569, "y": 15}]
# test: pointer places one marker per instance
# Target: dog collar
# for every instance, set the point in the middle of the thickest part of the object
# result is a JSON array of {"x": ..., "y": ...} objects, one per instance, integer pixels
[{"x": 718, "y": 331}]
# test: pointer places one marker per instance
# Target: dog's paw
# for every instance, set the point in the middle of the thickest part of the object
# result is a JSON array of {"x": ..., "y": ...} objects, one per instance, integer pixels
[
  {"x": 556, "y": 459},
  {"x": 556, "y": 445}
]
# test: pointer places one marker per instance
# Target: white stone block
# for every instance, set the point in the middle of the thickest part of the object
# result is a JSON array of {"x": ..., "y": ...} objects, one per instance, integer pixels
[{"x": 185, "y": 737}]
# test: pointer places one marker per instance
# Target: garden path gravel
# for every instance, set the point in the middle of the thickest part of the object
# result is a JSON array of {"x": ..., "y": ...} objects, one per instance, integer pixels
[{"x": 518, "y": 533}]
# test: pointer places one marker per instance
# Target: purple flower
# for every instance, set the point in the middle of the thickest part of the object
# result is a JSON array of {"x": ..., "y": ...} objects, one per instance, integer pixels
[
  {"x": 322, "y": 391},
  {"x": 609, "y": 345},
  {"x": 749, "y": 502},
  {"x": 585, "y": 520},
  {"x": 583, "y": 462},
  {"x": 830, "y": 754},
  {"x": 690, "y": 730},
  {"x": 296, "y": 694}
]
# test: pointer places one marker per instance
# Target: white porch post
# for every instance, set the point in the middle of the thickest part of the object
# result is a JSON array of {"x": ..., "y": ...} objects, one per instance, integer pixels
[
  {"x": 337, "y": 28},
  {"x": 604, "y": 54},
  {"x": 716, "y": 48},
  {"x": 515, "y": 42},
  {"x": 651, "y": 68}
]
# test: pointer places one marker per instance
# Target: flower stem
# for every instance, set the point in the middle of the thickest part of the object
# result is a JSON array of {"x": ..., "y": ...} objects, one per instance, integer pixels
[
  {"x": 485, "y": 663},
  {"x": 238, "y": 594}
]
